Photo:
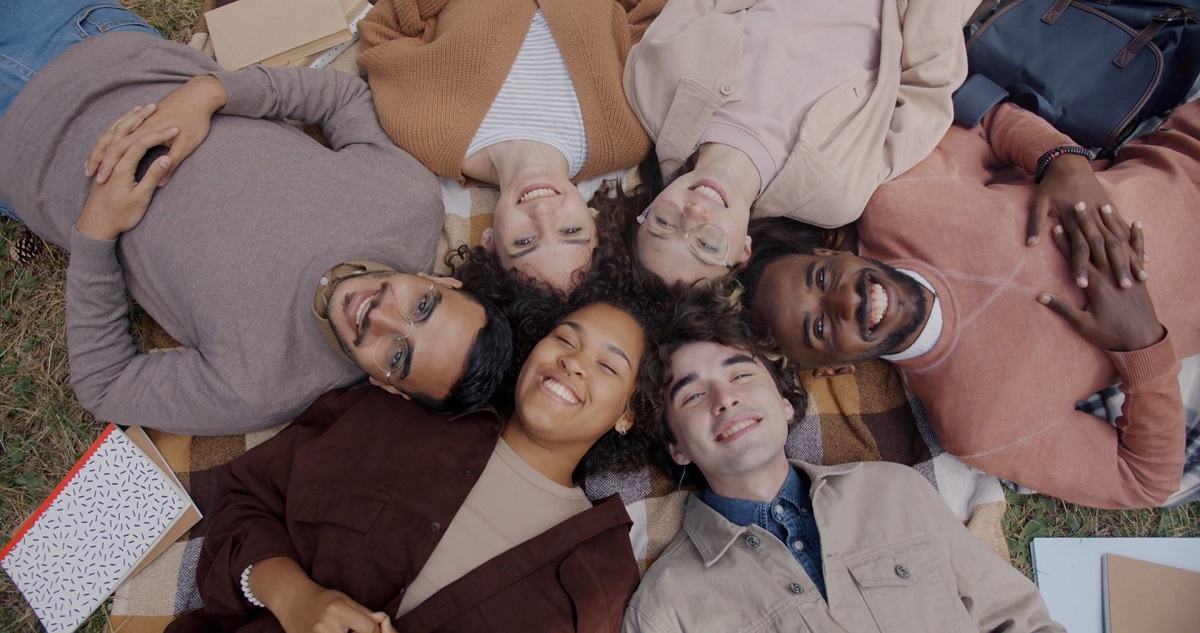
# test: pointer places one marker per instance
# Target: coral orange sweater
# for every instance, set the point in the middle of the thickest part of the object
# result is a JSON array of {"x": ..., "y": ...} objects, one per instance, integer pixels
[{"x": 1002, "y": 382}]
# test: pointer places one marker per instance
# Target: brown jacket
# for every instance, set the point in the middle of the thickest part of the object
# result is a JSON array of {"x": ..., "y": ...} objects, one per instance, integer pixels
[
  {"x": 896, "y": 560},
  {"x": 359, "y": 491},
  {"x": 436, "y": 66}
]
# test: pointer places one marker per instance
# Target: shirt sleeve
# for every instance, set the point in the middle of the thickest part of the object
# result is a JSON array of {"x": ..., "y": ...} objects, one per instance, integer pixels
[
  {"x": 933, "y": 64},
  {"x": 177, "y": 391},
  {"x": 1019, "y": 137},
  {"x": 339, "y": 103},
  {"x": 997, "y": 596},
  {"x": 1083, "y": 459},
  {"x": 248, "y": 524}
]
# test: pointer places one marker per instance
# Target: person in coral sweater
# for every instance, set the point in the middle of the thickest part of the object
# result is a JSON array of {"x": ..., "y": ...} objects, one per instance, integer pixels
[
  {"x": 520, "y": 94},
  {"x": 1001, "y": 330}
]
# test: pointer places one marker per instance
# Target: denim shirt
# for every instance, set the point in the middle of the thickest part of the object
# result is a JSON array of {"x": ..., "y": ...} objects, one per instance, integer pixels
[{"x": 789, "y": 517}]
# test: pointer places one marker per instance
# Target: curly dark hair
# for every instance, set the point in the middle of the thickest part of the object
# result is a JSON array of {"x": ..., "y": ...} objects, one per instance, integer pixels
[
  {"x": 776, "y": 238},
  {"x": 704, "y": 313},
  {"x": 487, "y": 364}
]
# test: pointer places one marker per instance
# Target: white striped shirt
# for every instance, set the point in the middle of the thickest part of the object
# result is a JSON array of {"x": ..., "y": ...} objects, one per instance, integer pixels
[{"x": 537, "y": 101}]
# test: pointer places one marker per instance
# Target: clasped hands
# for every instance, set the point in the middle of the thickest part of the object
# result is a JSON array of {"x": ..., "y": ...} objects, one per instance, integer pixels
[
  {"x": 1107, "y": 258},
  {"x": 118, "y": 200}
]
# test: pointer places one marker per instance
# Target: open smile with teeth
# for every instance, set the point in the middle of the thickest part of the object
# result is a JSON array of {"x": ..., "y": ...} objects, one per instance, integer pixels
[
  {"x": 729, "y": 432},
  {"x": 560, "y": 390},
  {"x": 710, "y": 193},
  {"x": 364, "y": 306},
  {"x": 534, "y": 194},
  {"x": 878, "y": 303}
]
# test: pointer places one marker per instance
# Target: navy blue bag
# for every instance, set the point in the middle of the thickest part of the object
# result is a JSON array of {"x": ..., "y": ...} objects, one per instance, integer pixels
[{"x": 1095, "y": 69}]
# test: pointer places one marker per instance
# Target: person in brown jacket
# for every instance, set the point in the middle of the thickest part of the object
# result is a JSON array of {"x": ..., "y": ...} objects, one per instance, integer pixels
[
  {"x": 371, "y": 514},
  {"x": 524, "y": 95}
]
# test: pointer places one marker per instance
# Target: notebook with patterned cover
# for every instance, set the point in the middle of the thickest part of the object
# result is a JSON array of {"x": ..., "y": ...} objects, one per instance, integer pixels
[{"x": 101, "y": 523}]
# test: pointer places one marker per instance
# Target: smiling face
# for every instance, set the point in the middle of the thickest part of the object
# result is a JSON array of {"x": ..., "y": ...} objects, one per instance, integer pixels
[
  {"x": 368, "y": 312},
  {"x": 576, "y": 383},
  {"x": 544, "y": 229},
  {"x": 834, "y": 308},
  {"x": 726, "y": 413},
  {"x": 707, "y": 195}
]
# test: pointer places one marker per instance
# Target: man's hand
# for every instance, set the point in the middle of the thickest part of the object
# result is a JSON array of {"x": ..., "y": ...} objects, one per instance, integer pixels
[
  {"x": 1071, "y": 192},
  {"x": 120, "y": 203},
  {"x": 1116, "y": 319},
  {"x": 189, "y": 108},
  {"x": 303, "y": 606}
]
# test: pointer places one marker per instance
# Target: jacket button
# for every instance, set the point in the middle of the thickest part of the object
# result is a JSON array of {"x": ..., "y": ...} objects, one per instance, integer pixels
[
  {"x": 902, "y": 571},
  {"x": 468, "y": 473},
  {"x": 435, "y": 526},
  {"x": 726, "y": 89},
  {"x": 796, "y": 588},
  {"x": 752, "y": 541}
]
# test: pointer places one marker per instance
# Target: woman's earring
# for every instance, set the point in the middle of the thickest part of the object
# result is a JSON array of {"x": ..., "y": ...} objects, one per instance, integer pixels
[{"x": 622, "y": 430}]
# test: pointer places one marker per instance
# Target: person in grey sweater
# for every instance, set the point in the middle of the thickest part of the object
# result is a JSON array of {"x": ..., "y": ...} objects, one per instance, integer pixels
[{"x": 230, "y": 254}]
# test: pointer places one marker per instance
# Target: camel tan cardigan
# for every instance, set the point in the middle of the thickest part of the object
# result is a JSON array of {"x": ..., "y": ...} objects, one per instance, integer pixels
[{"x": 435, "y": 67}]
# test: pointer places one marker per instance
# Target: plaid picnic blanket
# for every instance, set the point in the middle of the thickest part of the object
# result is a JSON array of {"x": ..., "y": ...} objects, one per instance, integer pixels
[{"x": 868, "y": 415}]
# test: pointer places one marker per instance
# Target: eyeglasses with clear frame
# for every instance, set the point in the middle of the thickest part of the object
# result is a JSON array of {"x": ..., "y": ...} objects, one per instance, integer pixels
[
  {"x": 707, "y": 242},
  {"x": 390, "y": 353}
]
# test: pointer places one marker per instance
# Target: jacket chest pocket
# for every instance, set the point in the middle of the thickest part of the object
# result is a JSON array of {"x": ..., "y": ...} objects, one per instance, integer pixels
[
  {"x": 332, "y": 524},
  {"x": 905, "y": 590}
]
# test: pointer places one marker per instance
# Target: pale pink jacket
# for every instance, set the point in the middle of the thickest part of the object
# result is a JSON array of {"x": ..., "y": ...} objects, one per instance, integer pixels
[{"x": 864, "y": 132}]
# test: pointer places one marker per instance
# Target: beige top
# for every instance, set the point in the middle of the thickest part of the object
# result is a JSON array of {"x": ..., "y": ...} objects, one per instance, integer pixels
[
  {"x": 866, "y": 130},
  {"x": 895, "y": 557},
  {"x": 511, "y": 504}
]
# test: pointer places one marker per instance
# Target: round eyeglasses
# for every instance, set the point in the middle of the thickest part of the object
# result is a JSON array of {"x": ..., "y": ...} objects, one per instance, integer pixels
[
  {"x": 706, "y": 241},
  {"x": 391, "y": 353}
]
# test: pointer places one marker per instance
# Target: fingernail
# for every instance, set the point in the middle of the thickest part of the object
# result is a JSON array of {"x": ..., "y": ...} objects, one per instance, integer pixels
[
  {"x": 1138, "y": 224},
  {"x": 1043, "y": 299},
  {"x": 1081, "y": 282},
  {"x": 136, "y": 108},
  {"x": 165, "y": 161},
  {"x": 1031, "y": 240},
  {"x": 1145, "y": 258},
  {"x": 1106, "y": 208},
  {"x": 1080, "y": 206},
  {"x": 1125, "y": 283},
  {"x": 173, "y": 130},
  {"x": 1143, "y": 275},
  {"x": 1058, "y": 229}
]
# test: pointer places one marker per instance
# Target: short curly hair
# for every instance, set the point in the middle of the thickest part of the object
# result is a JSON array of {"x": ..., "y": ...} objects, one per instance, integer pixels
[
  {"x": 712, "y": 313},
  {"x": 776, "y": 238}
]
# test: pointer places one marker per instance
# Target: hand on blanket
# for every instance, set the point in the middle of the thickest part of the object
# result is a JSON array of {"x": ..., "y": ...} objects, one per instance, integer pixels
[
  {"x": 189, "y": 108},
  {"x": 120, "y": 203},
  {"x": 1118, "y": 319},
  {"x": 1071, "y": 192}
]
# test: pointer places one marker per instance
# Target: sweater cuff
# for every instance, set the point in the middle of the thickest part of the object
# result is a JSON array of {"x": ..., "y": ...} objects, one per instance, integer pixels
[
  {"x": 1035, "y": 146},
  {"x": 95, "y": 258},
  {"x": 1146, "y": 365},
  {"x": 245, "y": 90}
]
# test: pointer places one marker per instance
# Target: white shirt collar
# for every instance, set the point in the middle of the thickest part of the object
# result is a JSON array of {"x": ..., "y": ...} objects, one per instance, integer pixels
[{"x": 930, "y": 333}]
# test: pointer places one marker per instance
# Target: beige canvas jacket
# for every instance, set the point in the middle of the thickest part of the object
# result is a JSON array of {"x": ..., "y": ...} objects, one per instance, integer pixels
[
  {"x": 896, "y": 560},
  {"x": 866, "y": 131}
]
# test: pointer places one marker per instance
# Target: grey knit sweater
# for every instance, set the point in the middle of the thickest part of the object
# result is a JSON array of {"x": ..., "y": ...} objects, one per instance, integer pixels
[{"x": 230, "y": 251}]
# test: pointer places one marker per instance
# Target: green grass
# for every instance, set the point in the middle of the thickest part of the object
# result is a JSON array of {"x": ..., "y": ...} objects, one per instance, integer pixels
[{"x": 44, "y": 429}]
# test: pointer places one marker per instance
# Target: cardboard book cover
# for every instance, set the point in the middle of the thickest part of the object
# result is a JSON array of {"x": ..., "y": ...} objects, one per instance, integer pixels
[
  {"x": 111, "y": 514},
  {"x": 274, "y": 32},
  {"x": 1140, "y": 596}
]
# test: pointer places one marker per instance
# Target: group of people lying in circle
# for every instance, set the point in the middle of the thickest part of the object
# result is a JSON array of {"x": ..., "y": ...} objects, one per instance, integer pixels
[{"x": 664, "y": 321}]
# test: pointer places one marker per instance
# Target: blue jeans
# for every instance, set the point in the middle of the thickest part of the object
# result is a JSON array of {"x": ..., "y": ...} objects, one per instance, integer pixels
[{"x": 33, "y": 32}]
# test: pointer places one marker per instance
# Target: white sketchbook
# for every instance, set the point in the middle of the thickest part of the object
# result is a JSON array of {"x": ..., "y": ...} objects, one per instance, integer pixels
[{"x": 102, "y": 520}]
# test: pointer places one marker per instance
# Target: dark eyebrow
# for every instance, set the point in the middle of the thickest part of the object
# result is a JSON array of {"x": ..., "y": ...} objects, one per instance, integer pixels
[
  {"x": 574, "y": 242},
  {"x": 609, "y": 346},
  {"x": 737, "y": 359},
  {"x": 808, "y": 274},
  {"x": 680, "y": 384},
  {"x": 807, "y": 331}
]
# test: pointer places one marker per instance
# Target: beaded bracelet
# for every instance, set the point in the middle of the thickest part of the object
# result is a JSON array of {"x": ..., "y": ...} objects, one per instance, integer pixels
[
  {"x": 249, "y": 595},
  {"x": 1050, "y": 155}
]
